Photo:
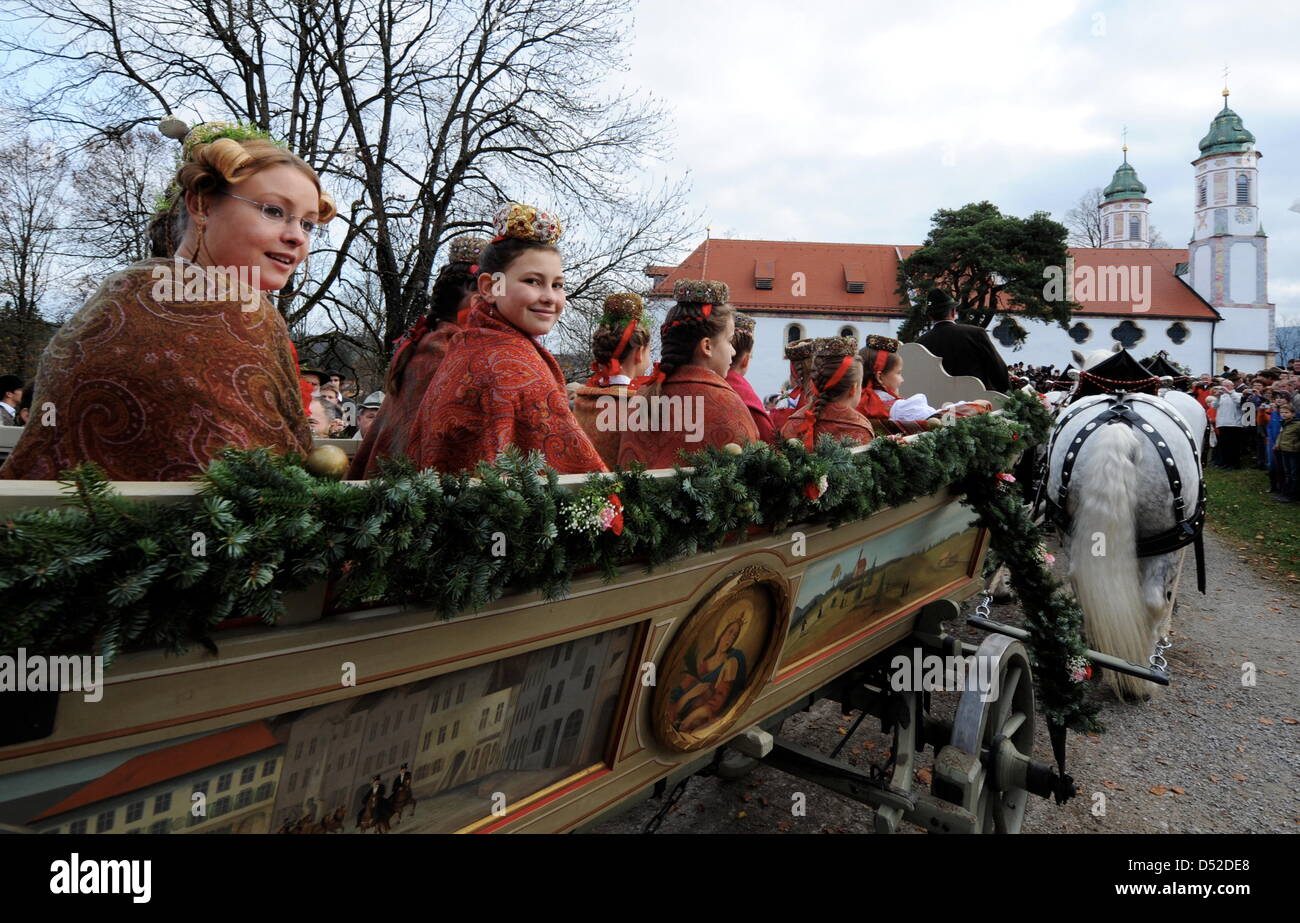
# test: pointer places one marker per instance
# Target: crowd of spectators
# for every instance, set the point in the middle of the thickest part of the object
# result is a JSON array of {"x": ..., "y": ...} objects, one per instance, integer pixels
[{"x": 1253, "y": 419}]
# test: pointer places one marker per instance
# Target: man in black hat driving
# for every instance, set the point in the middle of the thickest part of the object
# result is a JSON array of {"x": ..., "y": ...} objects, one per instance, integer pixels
[{"x": 964, "y": 348}]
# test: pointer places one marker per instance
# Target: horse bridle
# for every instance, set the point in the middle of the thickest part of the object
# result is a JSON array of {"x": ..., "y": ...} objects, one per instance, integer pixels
[{"x": 1186, "y": 530}]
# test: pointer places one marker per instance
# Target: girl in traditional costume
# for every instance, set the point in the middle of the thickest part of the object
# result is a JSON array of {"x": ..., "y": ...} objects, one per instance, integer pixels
[
  {"x": 498, "y": 386},
  {"x": 836, "y": 387},
  {"x": 799, "y": 355},
  {"x": 882, "y": 378},
  {"x": 743, "y": 343},
  {"x": 620, "y": 347},
  {"x": 180, "y": 356},
  {"x": 686, "y": 404},
  {"x": 418, "y": 355}
]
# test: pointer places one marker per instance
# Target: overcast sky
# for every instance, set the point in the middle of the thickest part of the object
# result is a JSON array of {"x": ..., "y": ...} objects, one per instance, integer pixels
[{"x": 852, "y": 122}]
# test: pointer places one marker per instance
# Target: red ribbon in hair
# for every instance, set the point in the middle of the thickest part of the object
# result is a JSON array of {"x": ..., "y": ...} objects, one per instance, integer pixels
[
  {"x": 418, "y": 330},
  {"x": 809, "y": 423},
  {"x": 655, "y": 377},
  {"x": 604, "y": 370}
]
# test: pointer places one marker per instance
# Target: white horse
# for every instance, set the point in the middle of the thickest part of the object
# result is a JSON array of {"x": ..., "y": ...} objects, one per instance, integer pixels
[{"x": 1118, "y": 493}]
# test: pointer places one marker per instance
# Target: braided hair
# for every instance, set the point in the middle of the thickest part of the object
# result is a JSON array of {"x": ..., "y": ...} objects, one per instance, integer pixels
[
  {"x": 618, "y": 335},
  {"x": 683, "y": 328},
  {"x": 834, "y": 371}
]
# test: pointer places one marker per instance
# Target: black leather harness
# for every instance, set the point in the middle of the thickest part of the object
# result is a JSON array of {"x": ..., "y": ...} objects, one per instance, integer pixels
[{"x": 1186, "y": 530}]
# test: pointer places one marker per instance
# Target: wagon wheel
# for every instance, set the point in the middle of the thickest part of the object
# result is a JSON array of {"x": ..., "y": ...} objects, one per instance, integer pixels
[{"x": 999, "y": 734}]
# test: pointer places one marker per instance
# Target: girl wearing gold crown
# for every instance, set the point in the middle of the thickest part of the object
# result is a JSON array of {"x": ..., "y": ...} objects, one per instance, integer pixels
[
  {"x": 175, "y": 358},
  {"x": 743, "y": 344},
  {"x": 835, "y": 384},
  {"x": 498, "y": 386},
  {"x": 799, "y": 355},
  {"x": 697, "y": 351},
  {"x": 620, "y": 346},
  {"x": 417, "y": 358},
  {"x": 882, "y": 379}
]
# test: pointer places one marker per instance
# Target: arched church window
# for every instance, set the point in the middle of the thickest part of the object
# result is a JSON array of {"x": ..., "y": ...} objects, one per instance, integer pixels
[
  {"x": 1178, "y": 332},
  {"x": 1243, "y": 189},
  {"x": 1127, "y": 334},
  {"x": 1080, "y": 332},
  {"x": 1200, "y": 194},
  {"x": 793, "y": 332},
  {"x": 1134, "y": 227}
]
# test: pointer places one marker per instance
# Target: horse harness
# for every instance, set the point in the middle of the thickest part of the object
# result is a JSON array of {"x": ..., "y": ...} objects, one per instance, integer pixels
[{"x": 1186, "y": 530}]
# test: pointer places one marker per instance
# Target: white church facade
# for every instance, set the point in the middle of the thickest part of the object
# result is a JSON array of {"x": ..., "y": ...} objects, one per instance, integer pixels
[{"x": 1206, "y": 306}]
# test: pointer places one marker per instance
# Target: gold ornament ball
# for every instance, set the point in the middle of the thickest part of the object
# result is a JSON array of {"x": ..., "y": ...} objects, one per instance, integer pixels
[
  {"x": 732, "y": 449},
  {"x": 327, "y": 461}
]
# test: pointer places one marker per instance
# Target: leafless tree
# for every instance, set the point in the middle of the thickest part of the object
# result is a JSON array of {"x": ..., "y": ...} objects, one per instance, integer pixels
[
  {"x": 115, "y": 189},
  {"x": 1084, "y": 220},
  {"x": 30, "y": 215},
  {"x": 422, "y": 115},
  {"x": 1084, "y": 223}
]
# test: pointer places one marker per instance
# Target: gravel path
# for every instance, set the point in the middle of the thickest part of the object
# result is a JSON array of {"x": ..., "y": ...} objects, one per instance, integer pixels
[{"x": 1207, "y": 755}]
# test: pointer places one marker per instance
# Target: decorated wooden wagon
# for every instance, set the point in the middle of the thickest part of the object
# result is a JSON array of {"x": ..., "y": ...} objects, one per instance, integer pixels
[{"x": 537, "y": 690}]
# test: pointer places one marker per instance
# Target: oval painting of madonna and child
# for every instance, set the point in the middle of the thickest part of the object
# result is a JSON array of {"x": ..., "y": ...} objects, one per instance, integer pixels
[{"x": 721, "y": 659}]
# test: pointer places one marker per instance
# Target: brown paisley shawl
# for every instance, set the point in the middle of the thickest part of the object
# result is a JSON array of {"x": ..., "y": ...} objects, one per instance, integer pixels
[
  {"x": 498, "y": 387},
  {"x": 152, "y": 389},
  {"x": 726, "y": 419},
  {"x": 588, "y": 406},
  {"x": 390, "y": 434},
  {"x": 838, "y": 420}
]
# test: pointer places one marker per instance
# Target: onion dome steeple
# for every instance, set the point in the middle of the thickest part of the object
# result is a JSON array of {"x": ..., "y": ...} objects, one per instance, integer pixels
[
  {"x": 1125, "y": 184},
  {"x": 1227, "y": 135}
]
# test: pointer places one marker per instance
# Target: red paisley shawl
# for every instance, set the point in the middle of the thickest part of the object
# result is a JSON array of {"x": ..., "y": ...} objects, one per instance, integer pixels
[
  {"x": 390, "y": 433},
  {"x": 835, "y": 419},
  {"x": 587, "y": 409},
  {"x": 497, "y": 387},
  {"x": 152, "y": 389},
  {"x": 726, "y": 419}
]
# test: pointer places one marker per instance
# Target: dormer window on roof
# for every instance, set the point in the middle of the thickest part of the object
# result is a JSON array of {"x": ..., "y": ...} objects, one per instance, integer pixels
[
  {"x": 764, "y": 274},
  {"x": 855, "y": 278}
]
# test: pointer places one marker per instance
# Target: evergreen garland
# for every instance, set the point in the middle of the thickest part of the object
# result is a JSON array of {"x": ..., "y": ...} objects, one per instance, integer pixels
[{"x": 109, "y": 573}]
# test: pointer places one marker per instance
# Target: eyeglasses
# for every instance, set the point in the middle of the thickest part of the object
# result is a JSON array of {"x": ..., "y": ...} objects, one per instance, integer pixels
[{"x": 277, "y": 213}]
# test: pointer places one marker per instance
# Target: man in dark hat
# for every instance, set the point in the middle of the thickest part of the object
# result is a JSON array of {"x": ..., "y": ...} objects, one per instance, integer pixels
[
  {"x": 402, "y": 779},
  {"x": 11, "y": 396},
  {"x": 964, "y": 348}
]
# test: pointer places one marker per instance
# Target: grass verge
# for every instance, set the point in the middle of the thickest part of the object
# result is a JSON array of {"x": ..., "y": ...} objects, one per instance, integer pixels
[{"x": 1241, "y": 510}]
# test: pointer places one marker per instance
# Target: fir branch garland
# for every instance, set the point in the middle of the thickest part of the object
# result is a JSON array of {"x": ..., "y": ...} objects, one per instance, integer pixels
[{"x": 112, "y": 574}]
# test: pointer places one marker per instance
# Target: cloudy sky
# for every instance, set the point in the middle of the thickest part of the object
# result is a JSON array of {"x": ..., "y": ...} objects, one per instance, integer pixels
[{"x": 850, "y": 121}]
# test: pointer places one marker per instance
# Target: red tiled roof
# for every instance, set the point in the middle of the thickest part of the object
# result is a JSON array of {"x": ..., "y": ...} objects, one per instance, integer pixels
[
  {"x": 1169, "y": 296},
  {"x": 168, "y": 763},
  {"x": 822, "y": 265},
  {"x": 826, "y": 267}
]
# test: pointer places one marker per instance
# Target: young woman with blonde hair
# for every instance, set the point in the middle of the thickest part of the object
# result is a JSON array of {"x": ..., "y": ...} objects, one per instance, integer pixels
[{"x": 177, "y": 357}]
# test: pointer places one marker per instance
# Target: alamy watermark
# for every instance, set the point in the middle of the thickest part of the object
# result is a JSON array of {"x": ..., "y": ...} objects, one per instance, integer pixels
[
  {"x": 183, "y": 281},
  {"x": 657, "y": 414},
  {"x": 1083, "y": 284},
  {"x": 922, "y": 672},
  {"x": 75, "y": 875},
  {"x": 39, "y": 673}
]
